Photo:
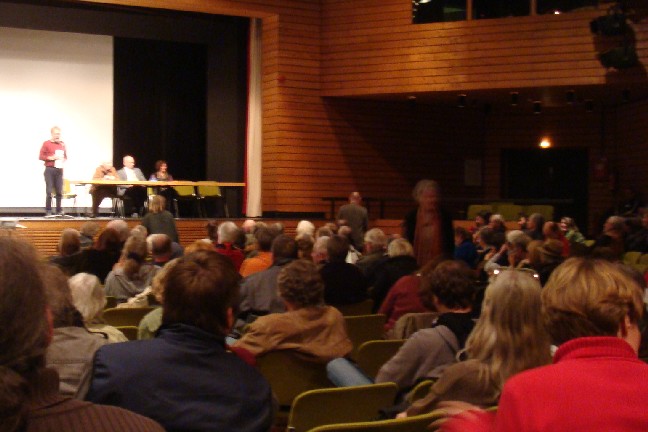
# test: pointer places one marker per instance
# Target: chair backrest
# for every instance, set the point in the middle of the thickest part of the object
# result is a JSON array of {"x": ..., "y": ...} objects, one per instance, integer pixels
[
  {"x": 375, "y": 353},
  {"x": 419, "y": 391},
  {"x": 118, "y": 317},
  {"x": 363, "y": 328},
  {"x": 208, "y": 190},
  {"x": 185, "y": 191},
  {"x": 409, "y": 424},
  {"x": 340, "y": 405},
  {"x": 473, "y": 209},
  {"x": 509, "y": 212},
  {"x": 410, "y": 323},
  {"x": 129, "y": 331},
  {"x": 631, "y": 257},
  {"x": 545, "y": 210},
  {"x": 362, "y": 308},
  {"x": 289, "y": 375}
]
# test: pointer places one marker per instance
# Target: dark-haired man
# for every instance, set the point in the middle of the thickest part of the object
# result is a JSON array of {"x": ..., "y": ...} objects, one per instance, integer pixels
[{"x": 184, "y": 378}]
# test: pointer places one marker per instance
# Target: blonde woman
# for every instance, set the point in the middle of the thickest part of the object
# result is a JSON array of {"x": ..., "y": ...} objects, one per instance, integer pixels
[
  {"x": 508, "y": 338},
  {"x": 158, "y": 220}
]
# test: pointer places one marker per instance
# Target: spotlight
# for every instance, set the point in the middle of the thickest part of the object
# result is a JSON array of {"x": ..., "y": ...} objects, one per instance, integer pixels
[
  {"x": 515, "y": 97},
  {"x": 619, "y": 58},
  {"x": 570, "y": 96},
  {"x": 545, "y": 143},
  {"x": 537, "y": 107},
  {"x": 589, "y": 105},
  {"x": 461, "y": 101}
]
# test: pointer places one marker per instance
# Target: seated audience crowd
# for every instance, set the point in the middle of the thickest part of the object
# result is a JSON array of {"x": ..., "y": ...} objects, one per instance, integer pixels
[{"x": 478, "y": 323}]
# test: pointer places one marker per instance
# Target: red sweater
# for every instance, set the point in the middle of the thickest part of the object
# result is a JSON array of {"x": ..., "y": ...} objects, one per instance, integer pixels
[
  {"x": 48, "y": 149},
  {"x": 595, "y": 384},
  {"x": 402, "y": 298}
]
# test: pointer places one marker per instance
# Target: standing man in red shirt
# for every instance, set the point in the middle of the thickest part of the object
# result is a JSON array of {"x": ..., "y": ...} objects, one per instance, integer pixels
[{"x": 54, "y": 155}]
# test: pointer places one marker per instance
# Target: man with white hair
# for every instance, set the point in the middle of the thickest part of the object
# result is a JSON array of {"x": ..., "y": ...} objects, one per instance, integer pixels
[
  {"x": 375, "y": 246},
  {"x": 305, "y": 227},
  {"x": 227, "y": 233},
  {"x": 134, "y": 196}
]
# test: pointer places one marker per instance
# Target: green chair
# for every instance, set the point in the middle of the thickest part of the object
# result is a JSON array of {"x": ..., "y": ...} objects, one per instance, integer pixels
[
  {"x": 419, "y": 423},
  {"x": 375, "y": 353},
  {"x": 362, "y": 308},
  {"x": 289, "y": 375},
  {"x": 545, "y": 210},
  {"x": 510, "y": 212},
  {"x": 340, "y": 405},
  {"x": 363, "y": 328},
  {"x": 631, "y": 257},
  {"x": 187, "y": 193},
  {"x": 419, "y": 391},
  {"x": 118, "y": 317},
  {"x": 208, "y": 192}
]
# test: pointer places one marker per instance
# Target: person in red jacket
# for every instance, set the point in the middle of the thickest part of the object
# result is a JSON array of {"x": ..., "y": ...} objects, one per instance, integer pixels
[
  {"x": 54, "y": 155},
  {"x": 592, "y": 311}
]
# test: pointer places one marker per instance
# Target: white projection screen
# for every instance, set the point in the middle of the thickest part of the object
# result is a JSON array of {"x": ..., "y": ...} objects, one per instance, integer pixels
[{"x": 53, "y": 79}]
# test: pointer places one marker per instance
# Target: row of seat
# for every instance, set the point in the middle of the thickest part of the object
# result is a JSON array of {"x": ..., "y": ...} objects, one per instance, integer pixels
[
  {"x": 637, "y": 260},
  {"x": 510, "y": 211}
]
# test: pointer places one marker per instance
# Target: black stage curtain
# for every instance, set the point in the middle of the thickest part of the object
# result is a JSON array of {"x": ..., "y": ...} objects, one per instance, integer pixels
[{"x": 160, "y": 105}]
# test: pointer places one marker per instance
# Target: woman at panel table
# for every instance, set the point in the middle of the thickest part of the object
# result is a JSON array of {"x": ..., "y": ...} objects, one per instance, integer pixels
[{"x": 162, "y": 174}]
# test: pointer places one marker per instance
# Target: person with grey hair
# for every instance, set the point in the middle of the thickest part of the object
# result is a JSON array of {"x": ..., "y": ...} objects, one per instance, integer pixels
[
  {"x": 535, "y": 222},
  {"x": 429, "y": 227},
  {"x": 355, "y": 216},
  {"x": 375, "y": 246},
  {"x": 121, "y": 227},
  {"x": 69, "y": 249},
  {"x": 227, "y": 235},
  {"x": 400, "y": 262},
  {"x": 305, "y": 227},
  {"x": 319, "y": 254},
  {"x": 613, "y": 236},
  {"x": 512, "y": 253},
  {"x": 90, "y": 300},
  {"x": 73, "y": 346}
]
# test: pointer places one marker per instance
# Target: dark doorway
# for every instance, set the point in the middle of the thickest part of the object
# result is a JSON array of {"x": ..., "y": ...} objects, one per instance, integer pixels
[{"x": 546, "y": 175}]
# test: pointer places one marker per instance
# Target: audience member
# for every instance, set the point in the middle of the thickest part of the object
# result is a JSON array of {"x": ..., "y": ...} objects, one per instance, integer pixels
[
  {"x": 185, "y": 379},
  {"x": 72, "y": 346},
  {"x": 465, "y": 250},
  {"x": 305, "y": 227},
  {"x": 481, "y": 220},
  {"x": 404, "y": 297},
  {"x": 429, "y": 227},
  {"x": 100, "y": 259},
  {"x": 249, "y": 228},
  {"x": 258, "y": 294},
  {"x": 508, "y": 338},
  {"x": 450, "y": 290},
  {"x": 355, "y": 216},
  {"x": 353, "y": 255},
  {"x": 344, "y": 283},
  {"x": 122, "y": 229},
  {"x": 89, "y": 299},
  {"x": 29, "y": 394},
  {"x": 132, "y": 274},
  {"x": 570, "y": 230},
  {"x": 400, "y": 262},
  {"x": 327, "y": 230},
  {"x": 158, "y": 220},
  {"x": 226, "y": 234},
  {"x": 69, "y": 249},
  {"x": 638, "y": 241},
  {"x": 308, "y": 328},
  {"x": 263, "y": 258},
  {"x": 375, "y": 247},
  {"x": 512, "y": 254},
  {"x": 305, "y": 244},
  {"x": 319, "y": 254},
  {"x": 550, "y": 258},
  {"x": 534, "y": 226},
  {"x": 88, "y": 232},
  {"x": 161, "y": 249},
  {"x": 152, "y": 321},
  {"x": 592, "y": 311},
  {"x": 551, "y": 230}
]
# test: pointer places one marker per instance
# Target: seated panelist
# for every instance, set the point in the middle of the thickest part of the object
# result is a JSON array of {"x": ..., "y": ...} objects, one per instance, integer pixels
[
  {"x": 105, "y": 171},
  {"x": 134, "y": 196}
]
